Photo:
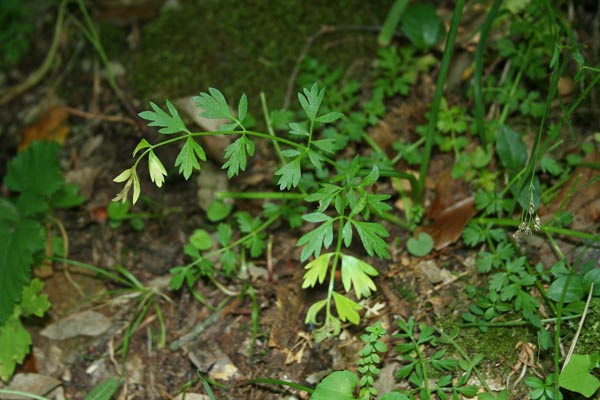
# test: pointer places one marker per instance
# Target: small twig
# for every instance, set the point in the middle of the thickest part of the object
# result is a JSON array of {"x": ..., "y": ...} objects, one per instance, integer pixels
[
  {"x": 579, "y": 327},
  {"x": 446, "y": 283},
  {"x": 102, "y": 117}
]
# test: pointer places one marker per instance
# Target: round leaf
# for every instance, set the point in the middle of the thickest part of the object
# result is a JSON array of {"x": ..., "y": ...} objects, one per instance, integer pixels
[
  {"x": 201, "y": 239},
  {"x": 421, "y": 246}
]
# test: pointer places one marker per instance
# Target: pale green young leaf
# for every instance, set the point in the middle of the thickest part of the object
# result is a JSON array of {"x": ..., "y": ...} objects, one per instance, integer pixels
[
  {"x": 136, "y": 187},
  {"x": 311, "y": 100},
  {"x": 356, "y": 274},
  {"x": 316, "y": 270},
  {"x": 169, "y": 123},
  {"x": 289, "y": 174},
  {"x": 123, "y": 176},
  {"x": 346, "y": 308},
  {"x": 329, "y": 117},
  {"x": 157, "y": 169},
  {"x": 187, "y": 159},
  {"x": 314, "y": 240},
  {"x": 242, "y": 107},
  {"x": 371, "y": 235},
  {"x": 236, "y": 155},
  {"x": 213, "y": 104},
  {"x": 297, "y": 129},
  {"x": 311, "y": 314},
  {"x": 34, "y": 302},
  {"x": 143, "y": 144}
]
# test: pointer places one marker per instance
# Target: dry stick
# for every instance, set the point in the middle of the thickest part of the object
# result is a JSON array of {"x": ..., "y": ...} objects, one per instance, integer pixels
[
  {"x": 39, "y": 73},
  {"x": 102, "y": 117},
  {"x": 581, "y": 321}
]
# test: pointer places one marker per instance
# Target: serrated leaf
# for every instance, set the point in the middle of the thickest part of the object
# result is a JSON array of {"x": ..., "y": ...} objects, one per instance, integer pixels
[
  {"x": 18, "y": 245},
  {"x": 346, "y": 308},
  {"x": 242, "y": 107},
  {"x": 316, "y": 217},
  {"x": 371, "y": 235},
  {"x": 316, "y": 270},
  {"x": 187, "y": 159},
  {"x": 224, "y": 234},
  {"x": 214, "y": 104},
  {"x": 347, "y": 233},
  {"x": 169, "y": 123},
  {"x": 314, "y": 240},
  {"x": 310, "y": 100},
  {"x": 33, "y": 301},
  {"x": 356, "y": 274},
  {"x": 290, "y": 153},
  {"x": 157, "y": 169},
  {"x": 329, "y": 117},
  {"x": 14, "y": 342},
  {"x": 35, "y": 170},
  {"x": 289, "y": 174},
  {"x": 235, "y": 154}
]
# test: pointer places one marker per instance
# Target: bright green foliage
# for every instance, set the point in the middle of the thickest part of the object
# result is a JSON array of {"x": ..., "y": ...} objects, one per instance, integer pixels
[
  {"x": 14, "y": 339},
  {"x": 421, "y": 245},
  {"x": 104, "y": 390},
  {"x": 577, "y": 377},
  {"x": 188, "y": 157},
  {"x": 543, "y": 389},
  {"x": 169, "y": 123},
  {"x": 337, "y": 385}
]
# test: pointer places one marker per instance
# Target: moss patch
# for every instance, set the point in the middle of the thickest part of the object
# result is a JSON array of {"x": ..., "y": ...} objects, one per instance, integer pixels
[{"x": 240, "y": 46}]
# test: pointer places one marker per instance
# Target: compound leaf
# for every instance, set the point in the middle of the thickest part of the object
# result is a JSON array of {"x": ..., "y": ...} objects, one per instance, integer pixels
[
  {"x": 289, "y": 174},
  {"x": 311, "y": 100},
  {"x": 169, "y": 123},
  {"x": 356, "y": 274},
  {"x": 314, "y": 240},
  {"x": 346, "y": 308},
  {"x": 316, "y": 270},
  {"x": 235, "y": 154},
  {"x": 371, "y": 235},
  {"x": 213, "y": 104},
  {"x": 187, "y": 160},
  {"x": 34, "y": 302},
  {"x": 14, "y": 342}
]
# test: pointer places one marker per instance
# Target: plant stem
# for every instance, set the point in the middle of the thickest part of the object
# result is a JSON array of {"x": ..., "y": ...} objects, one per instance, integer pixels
[
  {"x": 437, "y": 99},
  {"x": 261, "y": 195}
]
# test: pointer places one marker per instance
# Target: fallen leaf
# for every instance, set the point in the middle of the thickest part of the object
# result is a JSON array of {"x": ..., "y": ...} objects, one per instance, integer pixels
[
  {"x": 50, "y": 125},
  {"x": 450, "y": 223}
]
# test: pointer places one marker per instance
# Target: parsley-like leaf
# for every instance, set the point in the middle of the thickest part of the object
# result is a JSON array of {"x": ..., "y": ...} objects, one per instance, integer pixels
[
  {"x": 356, "y": 274},
  {"x": 371, "y": 235},
  {"x": 289, "y": 174},
  {"x": 346, "y": 308},
  {"x": 316, "y": 270},
  {"x": 213, "y": 104},
  {"x": 314, "y": 240},
  {"x": 169, "y": 123},
  {"x": 235, "y": 154},
  {"x": 311, "y": 100},
  {"x": 187, "y": 160}
]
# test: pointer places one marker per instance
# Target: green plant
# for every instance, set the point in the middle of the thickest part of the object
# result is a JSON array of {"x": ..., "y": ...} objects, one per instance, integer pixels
[
  {"x": 17, "y": 23},
  {"x": 25, "y": 225}
]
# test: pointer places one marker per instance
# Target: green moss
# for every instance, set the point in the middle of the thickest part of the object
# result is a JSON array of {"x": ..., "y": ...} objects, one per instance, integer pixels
[
  {"x": 588, "y": 340},
  {"x": 240, "y": 46}
]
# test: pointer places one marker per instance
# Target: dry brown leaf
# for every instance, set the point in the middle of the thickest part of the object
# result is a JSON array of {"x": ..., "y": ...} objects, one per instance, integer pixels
[
  {"x": 450, "y": 223},
  {"x": 50, "y": 125}
]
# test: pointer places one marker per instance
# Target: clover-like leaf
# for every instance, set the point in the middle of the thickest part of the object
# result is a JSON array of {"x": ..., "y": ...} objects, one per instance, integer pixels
[{"x": 169, "y": 123}]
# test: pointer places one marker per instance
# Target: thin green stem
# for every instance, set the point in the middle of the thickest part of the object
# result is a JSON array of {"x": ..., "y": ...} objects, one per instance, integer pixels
[
  {"x": 261, "y": 195},
  {"x": 477, "y": 84},
  {"x": 263, "y": 102},
  {"x": 437, "y": 98},
  {"x": 519, "y": 322},
  {"x": 544, "y": 228}
]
